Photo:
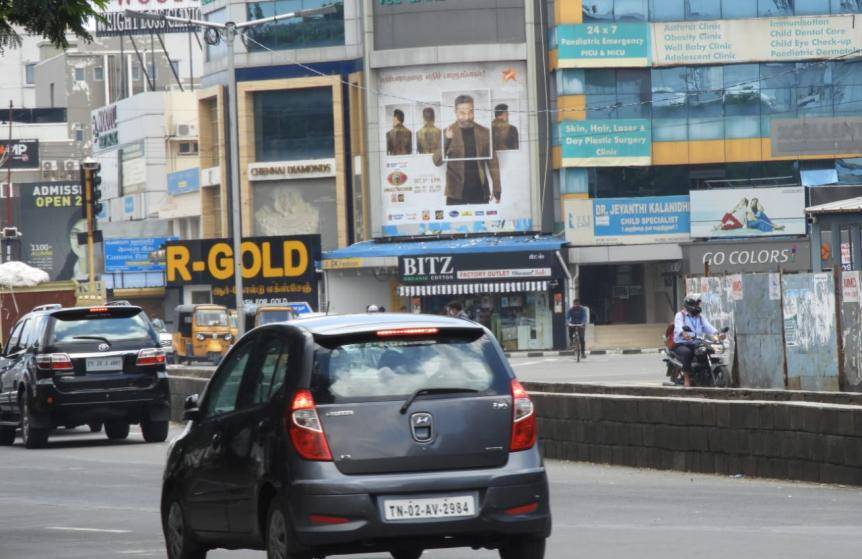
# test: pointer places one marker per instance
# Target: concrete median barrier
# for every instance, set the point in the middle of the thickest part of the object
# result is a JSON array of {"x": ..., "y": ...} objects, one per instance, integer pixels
[{"x": 806, "y": 436}]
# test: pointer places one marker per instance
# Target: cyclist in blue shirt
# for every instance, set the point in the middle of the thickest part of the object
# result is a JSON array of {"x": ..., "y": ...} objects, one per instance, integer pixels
[{"x": 576, "y": 318}]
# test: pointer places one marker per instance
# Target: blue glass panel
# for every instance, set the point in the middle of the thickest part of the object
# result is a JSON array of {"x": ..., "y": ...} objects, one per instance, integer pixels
[
  {"x": 811, "y": 7},
  {"x": 779, "y": 74},
  {"x": 846, "y": 6},
  {"x": 702, "y": 9},
  {"x": 632, "y": 105},
  {"x": 738, "y": 9},
  {"x": 633, "y": 81},
  {"x": 570, "y": 82},
  {"x": 813, "y": 73},
  {"x": 847, "y": 99},
  {"x": 314, "y": 31},
  {"x": 601, "y": 106},
  {"x": 598, "y": 10},
  {"x": 667, "y": 10},
  {"x": 630, "y": 10},
  {"x": 774, "y": 8},
  {"x": 736, "y": 127},
  {"x": 706, "y": 78},
  {"x": 705, "y": 116},
  {"x": 600, "y": 81},
  {"x": 847, "y": 73},
  {"x": 665, "y": 80},
  {"x": 814, "y": 100},
  {"x": 294, "y": 124}
]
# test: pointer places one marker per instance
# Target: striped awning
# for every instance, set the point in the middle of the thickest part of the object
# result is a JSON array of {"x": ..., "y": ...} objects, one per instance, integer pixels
[{"x": 471, "y": 288}]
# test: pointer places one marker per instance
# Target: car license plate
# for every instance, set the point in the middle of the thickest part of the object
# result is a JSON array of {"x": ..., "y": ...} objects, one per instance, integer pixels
[
  {"x": 455, "y": 506},
  {"x": 102, "y": 364}
]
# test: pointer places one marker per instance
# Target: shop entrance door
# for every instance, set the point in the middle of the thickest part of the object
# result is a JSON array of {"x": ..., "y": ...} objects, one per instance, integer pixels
[{"x": 614, "y": 293}]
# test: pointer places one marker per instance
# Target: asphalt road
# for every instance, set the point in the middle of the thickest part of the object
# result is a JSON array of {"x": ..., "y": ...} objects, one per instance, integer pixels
[
  {"x": 645, "y": 369},
  {"x": 85, "y": 497}
]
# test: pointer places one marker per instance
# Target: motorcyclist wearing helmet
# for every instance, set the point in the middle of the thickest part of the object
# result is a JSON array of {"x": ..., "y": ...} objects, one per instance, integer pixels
[{"x": 699, "y": 327}]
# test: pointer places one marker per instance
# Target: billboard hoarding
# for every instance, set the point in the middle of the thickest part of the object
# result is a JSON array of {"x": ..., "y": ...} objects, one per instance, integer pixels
[
  {"x": 19, "y": 154},
  {"x": 606, "y": 142},
  {"x": 51, "y": 219},
  {"x": 749, "y": 256},
  {"x": 477, "y": 267},
  {"x": 448, "y": 170},
  {"x": 183, "y": 182},
  {"x": 275, "y": 269},
  {"x": 659, "y": 219},
  {"x": 136, "y": 255},
  {"x": 603, "y": 45},
  {"x": 816, "y": 136},
  {"x": 117, "y": 23},
  {"x": 748, "y": 212}
]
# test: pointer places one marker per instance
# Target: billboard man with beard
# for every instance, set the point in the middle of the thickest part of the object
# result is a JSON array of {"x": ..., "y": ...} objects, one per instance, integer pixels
[{"x": 472, "y": 170}]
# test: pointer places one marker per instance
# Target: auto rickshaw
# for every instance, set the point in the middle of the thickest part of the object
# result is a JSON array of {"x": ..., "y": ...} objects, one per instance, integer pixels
[
  {"x": 258, "y": 315},
  {"x": 203, "y": 333}
]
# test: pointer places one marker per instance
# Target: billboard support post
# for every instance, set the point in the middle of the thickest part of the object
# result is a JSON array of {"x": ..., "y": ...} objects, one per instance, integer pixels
[{"x": 8, "y": 203}]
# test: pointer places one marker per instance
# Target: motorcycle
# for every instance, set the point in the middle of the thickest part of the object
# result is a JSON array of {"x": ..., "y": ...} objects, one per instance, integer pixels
[{"x": 708, "y": 367}]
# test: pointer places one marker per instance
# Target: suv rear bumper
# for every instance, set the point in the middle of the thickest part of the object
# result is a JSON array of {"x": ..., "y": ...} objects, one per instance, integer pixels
[
  {"x": 52, "y": 407},
  {"x": 522, "y": 482}
]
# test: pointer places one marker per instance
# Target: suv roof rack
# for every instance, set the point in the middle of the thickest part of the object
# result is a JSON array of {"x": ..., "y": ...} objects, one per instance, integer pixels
[
  {"x": 48, "y": 307},
  {"x": 118, "y": 303}
]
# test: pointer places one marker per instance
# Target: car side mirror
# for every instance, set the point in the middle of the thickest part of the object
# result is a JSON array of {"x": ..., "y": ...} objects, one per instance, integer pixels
[{"x": 191, "y": 410}]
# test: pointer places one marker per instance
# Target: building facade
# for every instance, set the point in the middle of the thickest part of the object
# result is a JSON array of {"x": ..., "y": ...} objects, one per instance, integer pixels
[{"x": 682, "y": 124}]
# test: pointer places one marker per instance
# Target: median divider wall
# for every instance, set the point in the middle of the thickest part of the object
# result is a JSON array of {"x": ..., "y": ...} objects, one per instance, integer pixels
[{"x": 720, "y": 431}]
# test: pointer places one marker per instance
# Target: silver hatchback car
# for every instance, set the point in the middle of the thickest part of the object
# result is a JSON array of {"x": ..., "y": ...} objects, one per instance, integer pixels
[{"x": 358, "y": 434}]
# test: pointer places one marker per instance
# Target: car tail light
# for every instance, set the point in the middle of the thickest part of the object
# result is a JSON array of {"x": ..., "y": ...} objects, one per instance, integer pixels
[
  {"x": 56, "y": 362},
  {"x": 305, "y": 429},
  {"x": 98, "y": 309},
  {"x": 150, "y": 357},
  {"x": 407, "y": 332},
  {"x": 523, "y": 509},
  {"x": 523, "y": 419},
  {"x": 327, "y": 519}
]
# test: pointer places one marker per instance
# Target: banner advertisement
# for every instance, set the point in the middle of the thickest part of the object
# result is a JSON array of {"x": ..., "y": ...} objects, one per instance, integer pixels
[
  {"x": 275, "y": 269},
  {"x": 183, "y": 182},
  {"x": 19, "y": 154},
  {"x": 51, "y": 219},
  {"x": 748, "y": 212},
  {"x": 603, "y": 45},
  {"x": 747, "y": 256},
  {"x": 117, "y": 23},
  {"x": 458, "y": 161},
  {"x": 815, "y": 136},
  {"x": 606, "y": 142},
  {"x": 578, "y": 215},
  {"x": 145, "y": 254},
  {"x": 659, "y": 219},
  {"x": 484, "y": 267},
  {"x": 731, "y": 41}
]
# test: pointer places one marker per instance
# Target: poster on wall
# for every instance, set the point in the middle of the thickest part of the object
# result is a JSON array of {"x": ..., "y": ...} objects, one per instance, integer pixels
[
  {"x": 51, "y": 219},
  {"x": 606, "y": 142},
  {"x": 455, "y": 154},
  {"x": 655, "y": 219},
  {"x": 748, "y": 212}
]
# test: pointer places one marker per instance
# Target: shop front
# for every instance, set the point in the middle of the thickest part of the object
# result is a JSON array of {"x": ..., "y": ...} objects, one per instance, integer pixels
[
  {"x": 741, "y": 256},
  {"x": 519, "y": 296}
]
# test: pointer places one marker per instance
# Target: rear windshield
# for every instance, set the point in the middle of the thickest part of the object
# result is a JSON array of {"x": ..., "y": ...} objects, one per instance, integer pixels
[
  {"x": 211, "y": 318},
  {"x": 268, "y": 317},
  {"x": 395, "y": 369},
  {"x": 111, "y": 328}
]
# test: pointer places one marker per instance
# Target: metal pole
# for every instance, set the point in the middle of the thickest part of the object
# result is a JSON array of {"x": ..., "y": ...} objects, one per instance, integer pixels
[
  {"x": 233, "y": 134},
  {"x": 191, "y": 64},
  {"x": 6, "y": 242}
]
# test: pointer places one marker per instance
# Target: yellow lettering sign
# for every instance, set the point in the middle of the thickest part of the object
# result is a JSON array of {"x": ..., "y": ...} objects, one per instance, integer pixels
[{"x": 177, "y": 263}]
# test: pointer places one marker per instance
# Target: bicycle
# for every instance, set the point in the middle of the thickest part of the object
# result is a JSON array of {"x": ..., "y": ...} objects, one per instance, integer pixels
[{"x": 575, "y": 340}]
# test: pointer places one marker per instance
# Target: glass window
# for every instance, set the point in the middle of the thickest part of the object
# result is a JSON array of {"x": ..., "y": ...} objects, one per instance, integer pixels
[
  {"x": 15, "y": 337},
  {"x": 315, "y": 31},
  {"x": 667, "y": 10},
  {"x": 30, "y": 73},
  {"x": 777, "y": 101},
  {"x": 294, "y": 124},
  {"x": 778, "y": 74},
  {"x": 224, "y": 387},
  {"x": 807, "y": 7},
  {"x": 737, "y": 9},
  {"x": 570, "y": 82},
  {"x": 706, "y": 78},
  {"x": 67, "y": 330},
  {"x": 705, "y": 112},
  {"x": 814, "y": 100},
  {"x": 394, "y": 369},
  {"x": 79, "y": 74},
  {"x": 630, "y": 10},
  {"x": 774, "y": 7},
  {"x": 670, "y": 117},
  {"x": 847, "y": 73},
  {"x": 598, "y": 10},
  {"x": 846, "y": 6},
  {"x": 211, "y": 318},
  {"x": 99, "y": 73},
  {"x": 741, "y": 78},
  {"x": 634, "y": 81},
  {"x": 175, "y": 67},
  {"x": 702, "y": 9},
  {"x": 632, "y": 105},
  {"x": 813, "y": 73},
  {"x": 213, "y": 52},
  {"x": 601, "y": 81},
  {"x": 79, "y": 135},
  {"x": 601, "y": 106},
  {"x": 272, "y": 367},
  {"x": 668, "y": 80},
  {"x": 847, "y": 99}
]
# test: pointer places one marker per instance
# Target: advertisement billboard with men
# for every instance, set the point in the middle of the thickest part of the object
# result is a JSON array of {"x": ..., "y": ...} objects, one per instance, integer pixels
[{"x": 454, "y": 149}]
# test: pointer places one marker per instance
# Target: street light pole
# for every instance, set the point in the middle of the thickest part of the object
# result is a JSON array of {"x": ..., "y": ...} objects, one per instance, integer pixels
[{"x": 230, "y": 30}]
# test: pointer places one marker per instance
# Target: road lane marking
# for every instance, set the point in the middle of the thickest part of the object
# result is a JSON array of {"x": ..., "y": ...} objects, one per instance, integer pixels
[{"x": 75, "y": 529}]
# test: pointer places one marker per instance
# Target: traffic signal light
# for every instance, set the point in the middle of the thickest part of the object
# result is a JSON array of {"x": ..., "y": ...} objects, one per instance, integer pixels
[{"x": 91, "y": 183}]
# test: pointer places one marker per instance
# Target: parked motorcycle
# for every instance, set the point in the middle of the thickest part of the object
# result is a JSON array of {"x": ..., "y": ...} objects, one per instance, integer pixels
[{"x": 708, "y": 365}]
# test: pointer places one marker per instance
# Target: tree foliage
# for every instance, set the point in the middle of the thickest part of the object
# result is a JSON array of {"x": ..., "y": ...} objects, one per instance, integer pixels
[{"x": 51, "y": 19}]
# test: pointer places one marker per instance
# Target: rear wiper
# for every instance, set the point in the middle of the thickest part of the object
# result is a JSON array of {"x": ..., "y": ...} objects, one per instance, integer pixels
[
  {"x": 97, "y": 338},
  {"x": 428, "y": 391}
]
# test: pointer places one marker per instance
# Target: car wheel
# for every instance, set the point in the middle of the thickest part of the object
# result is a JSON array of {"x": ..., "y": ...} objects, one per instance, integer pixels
[
  {"x": 33, "y": 437},
  {"x": 95, "y": 426},
  {"x": 527, "y": 548},
  {"x": 278, "y": 533},
  {"x": 411, "y": 554},
  {"x": 116, "y": 429},
  {"x": 7, "y": 435},
  {"x": 178, "y": 539},
  {"x": 154, "y": 431}
]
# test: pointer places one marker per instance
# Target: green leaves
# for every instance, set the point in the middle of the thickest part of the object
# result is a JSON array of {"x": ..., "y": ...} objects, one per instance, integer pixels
[{"x": 51, "y": 19}]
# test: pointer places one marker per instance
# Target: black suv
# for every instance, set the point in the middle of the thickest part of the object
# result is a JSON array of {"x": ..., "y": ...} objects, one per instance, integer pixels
[
  {"x": 356, "y": 434},
  {"x": 83, "y": 365}
]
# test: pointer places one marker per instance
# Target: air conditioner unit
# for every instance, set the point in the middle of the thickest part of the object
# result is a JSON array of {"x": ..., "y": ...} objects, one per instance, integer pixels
[
  {"x": 71, "y": 165},
  {"x": 186, "y": 131},
  {"x": 49, "y": 165}
]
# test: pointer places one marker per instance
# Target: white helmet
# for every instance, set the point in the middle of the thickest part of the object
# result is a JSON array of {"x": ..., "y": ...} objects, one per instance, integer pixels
[{"x": 372, "y": 308}]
